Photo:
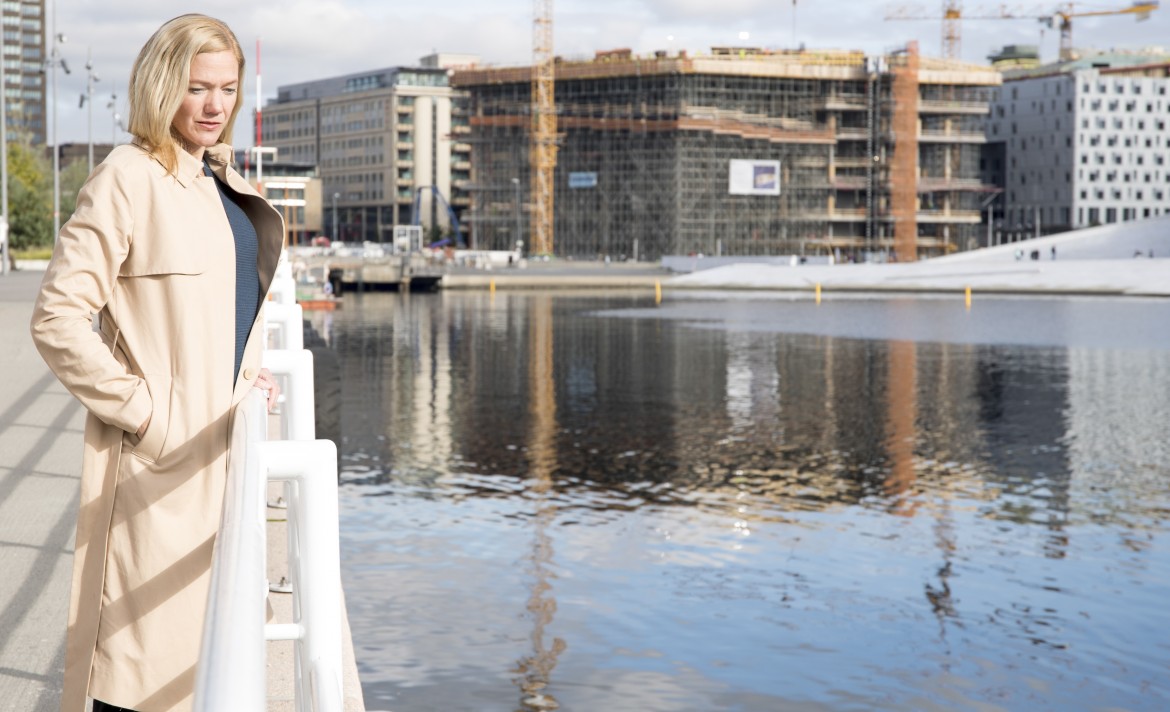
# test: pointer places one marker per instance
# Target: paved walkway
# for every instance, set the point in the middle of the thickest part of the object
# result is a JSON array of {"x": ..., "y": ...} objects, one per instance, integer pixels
[
  {"x": 40, "y": 454},
  {"x": 1114, "y": 259},
  {"x": 1133, "y": 277}
]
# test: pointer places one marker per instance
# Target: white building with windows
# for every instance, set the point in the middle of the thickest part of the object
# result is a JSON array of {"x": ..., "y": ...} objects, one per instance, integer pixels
[
  {"x": 1081, "y": 143},
  {"x": 386, "y": 142},
  {"x": 25, "y": 71}
]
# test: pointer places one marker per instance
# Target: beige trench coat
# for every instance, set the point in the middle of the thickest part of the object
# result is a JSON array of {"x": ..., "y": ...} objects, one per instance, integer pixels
[{"x": 152, "y": 254}]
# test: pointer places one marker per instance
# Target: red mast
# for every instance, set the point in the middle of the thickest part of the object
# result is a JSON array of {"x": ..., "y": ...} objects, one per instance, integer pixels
[{"x": 259, "y": 119}]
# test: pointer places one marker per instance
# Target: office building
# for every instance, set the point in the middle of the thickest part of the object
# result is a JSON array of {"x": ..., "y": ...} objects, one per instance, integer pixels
[
  {"x": 24, "y": 69},
  {"x": 1080, "y": 143},
  {"x": 294, "y": 189},
  {"x": 387, "y": 144}
]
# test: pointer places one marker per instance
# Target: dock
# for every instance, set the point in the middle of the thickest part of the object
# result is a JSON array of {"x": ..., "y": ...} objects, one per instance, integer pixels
[
  {"x": 41, "y": 430},
  {"x": 395, "y": 272},
  {"x": 423, "y": 272},
  {"x": 559, "y": 275}
]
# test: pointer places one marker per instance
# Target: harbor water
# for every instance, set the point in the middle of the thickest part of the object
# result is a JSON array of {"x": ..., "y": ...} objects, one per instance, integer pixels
[{"x": 594, "y": 502}]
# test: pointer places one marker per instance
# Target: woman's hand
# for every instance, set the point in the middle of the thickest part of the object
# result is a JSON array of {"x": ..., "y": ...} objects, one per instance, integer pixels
[{"x": 267, "y": 383}]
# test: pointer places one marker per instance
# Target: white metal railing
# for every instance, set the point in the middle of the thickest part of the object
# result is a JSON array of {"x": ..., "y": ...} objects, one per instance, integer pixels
[
  {"x": 232, "y": 658},
  {"x": 231, "y": 672}
]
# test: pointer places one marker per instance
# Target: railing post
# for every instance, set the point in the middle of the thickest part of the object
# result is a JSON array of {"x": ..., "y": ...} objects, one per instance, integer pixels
[
  {"x": 289, "y": 319},
  {"x": 231, "y": 671},
  {"x": 300, "y": 421},
  {"x": 310, "y": 469}
]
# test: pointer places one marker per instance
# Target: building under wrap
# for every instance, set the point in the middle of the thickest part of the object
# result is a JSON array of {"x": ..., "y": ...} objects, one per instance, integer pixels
[{"x": 740, "y": 152}]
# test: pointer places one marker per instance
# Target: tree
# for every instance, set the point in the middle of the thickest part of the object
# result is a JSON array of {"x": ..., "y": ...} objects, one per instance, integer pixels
[
  {"x": 73, "y": 177},
  {"x": 30, "y": 198}
]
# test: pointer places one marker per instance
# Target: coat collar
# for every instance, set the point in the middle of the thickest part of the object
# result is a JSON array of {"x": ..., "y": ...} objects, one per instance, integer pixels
[{"x": 190, "y": 168}]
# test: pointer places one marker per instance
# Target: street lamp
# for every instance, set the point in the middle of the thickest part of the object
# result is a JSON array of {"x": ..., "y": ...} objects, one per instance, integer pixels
[
  {"x": 516, "y": 207},
  {"x": 116, "y": 119},
  {"x": 90, "y": 77},
  {"x": 56, "y": 59},
  {"x": 335, "y": 197}
]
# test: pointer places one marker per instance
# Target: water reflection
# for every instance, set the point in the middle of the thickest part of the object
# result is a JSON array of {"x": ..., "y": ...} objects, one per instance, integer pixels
[
  {"x": 666, "y": 505},
  {"x": 536, "y": 669}
]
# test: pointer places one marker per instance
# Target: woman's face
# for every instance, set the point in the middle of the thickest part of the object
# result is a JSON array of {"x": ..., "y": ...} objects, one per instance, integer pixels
[{"x": 211, "y": 96}]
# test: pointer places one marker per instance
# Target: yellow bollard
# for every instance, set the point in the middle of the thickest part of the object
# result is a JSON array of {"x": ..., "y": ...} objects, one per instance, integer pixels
[
  {"x": 818, "y": 292},
  {"x": 967, "y": 298},
  {"x": 492, "y": 286},
  {"x": 657, "y": 292}
]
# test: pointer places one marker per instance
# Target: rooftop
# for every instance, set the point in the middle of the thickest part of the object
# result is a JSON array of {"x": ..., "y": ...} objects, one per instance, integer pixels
[
  {"x": 736, "y": 61},
  {"x": 1106, "y": 62}
]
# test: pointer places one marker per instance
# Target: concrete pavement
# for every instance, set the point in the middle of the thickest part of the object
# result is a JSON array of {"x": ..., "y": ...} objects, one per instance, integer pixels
[
  {"x": 1120, "y": 259},
  {"x": 559, "y": 274},
  {"x": 1135, "y": 277},
  {"x": 40, "y": 453}
]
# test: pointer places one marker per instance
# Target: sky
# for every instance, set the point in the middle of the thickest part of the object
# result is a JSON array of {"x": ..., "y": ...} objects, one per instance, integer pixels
[{"x": 303, "y": 40}]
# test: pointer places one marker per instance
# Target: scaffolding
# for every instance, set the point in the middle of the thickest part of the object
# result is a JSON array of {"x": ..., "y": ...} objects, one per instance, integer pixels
[
  {"x": 645, "y": 146},
  {"x": 904, "y": 170}
]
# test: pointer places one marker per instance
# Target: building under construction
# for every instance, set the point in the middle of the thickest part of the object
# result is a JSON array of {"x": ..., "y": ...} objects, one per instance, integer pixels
[{"x": 739, "y": 152}]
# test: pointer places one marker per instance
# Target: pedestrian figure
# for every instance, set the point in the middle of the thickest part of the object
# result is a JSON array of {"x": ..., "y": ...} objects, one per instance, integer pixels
[
  {"x": 1054, "y": 253},
  {"x": 173, "y": 251}
]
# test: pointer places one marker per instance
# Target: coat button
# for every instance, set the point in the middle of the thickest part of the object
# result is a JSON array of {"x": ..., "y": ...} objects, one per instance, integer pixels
[{"x": 249, "y": 374}]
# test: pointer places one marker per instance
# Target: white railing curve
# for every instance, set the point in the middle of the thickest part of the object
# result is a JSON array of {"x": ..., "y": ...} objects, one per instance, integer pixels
[{"x": 231, "y": 671}]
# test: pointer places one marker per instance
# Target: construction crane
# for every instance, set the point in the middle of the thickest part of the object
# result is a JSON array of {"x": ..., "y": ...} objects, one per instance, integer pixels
[
  {"x": 1141, "y": 10},
  {"x": 1062, "y": 16},
  {"x": 542, "y": 139}
]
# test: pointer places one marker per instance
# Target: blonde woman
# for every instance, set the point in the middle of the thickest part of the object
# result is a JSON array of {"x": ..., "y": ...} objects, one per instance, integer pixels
[{"x": 149, "y": 315}]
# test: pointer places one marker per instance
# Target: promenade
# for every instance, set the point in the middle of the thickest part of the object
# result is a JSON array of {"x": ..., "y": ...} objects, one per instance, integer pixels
[
  {"x": 40, "y": 452},
  {"x": 1124, "y": 259},
  {"x": 41, "y": 427}
]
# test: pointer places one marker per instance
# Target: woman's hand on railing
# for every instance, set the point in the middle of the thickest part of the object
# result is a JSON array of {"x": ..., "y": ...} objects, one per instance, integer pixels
[{"x": 267, "y": 383}]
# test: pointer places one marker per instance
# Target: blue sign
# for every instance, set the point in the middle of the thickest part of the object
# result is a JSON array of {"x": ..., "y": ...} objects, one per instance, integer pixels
[{"x": 582, "y": 180}]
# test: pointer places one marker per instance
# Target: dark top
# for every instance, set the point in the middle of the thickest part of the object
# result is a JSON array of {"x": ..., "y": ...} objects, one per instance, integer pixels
[{"x": 247, "y": 273}]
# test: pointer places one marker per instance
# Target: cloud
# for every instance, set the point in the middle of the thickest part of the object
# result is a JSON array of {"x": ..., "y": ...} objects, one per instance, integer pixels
[
  {"x": 722, "y": 11},
  {"x": 311, "y": 39}
]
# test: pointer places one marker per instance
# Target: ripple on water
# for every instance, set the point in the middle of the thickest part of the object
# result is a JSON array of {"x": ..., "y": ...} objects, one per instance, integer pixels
[{"x": 748, "y": 519}]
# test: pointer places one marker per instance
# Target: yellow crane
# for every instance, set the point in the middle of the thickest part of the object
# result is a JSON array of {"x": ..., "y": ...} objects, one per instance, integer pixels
[
  {"x": 1062, "y": 16},
  {"x": 1066, "y": 13},
  {"x": 542, "y": 137}
]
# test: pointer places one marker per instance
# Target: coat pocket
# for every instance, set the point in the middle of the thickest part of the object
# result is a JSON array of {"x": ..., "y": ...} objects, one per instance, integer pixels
[
  {"x": 162, "y": 254},
  {"x": 150, "y": 447}
]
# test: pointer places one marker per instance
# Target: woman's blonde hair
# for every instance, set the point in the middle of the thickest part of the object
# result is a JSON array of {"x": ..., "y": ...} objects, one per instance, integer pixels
[{"x": 158, "y": 82}]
